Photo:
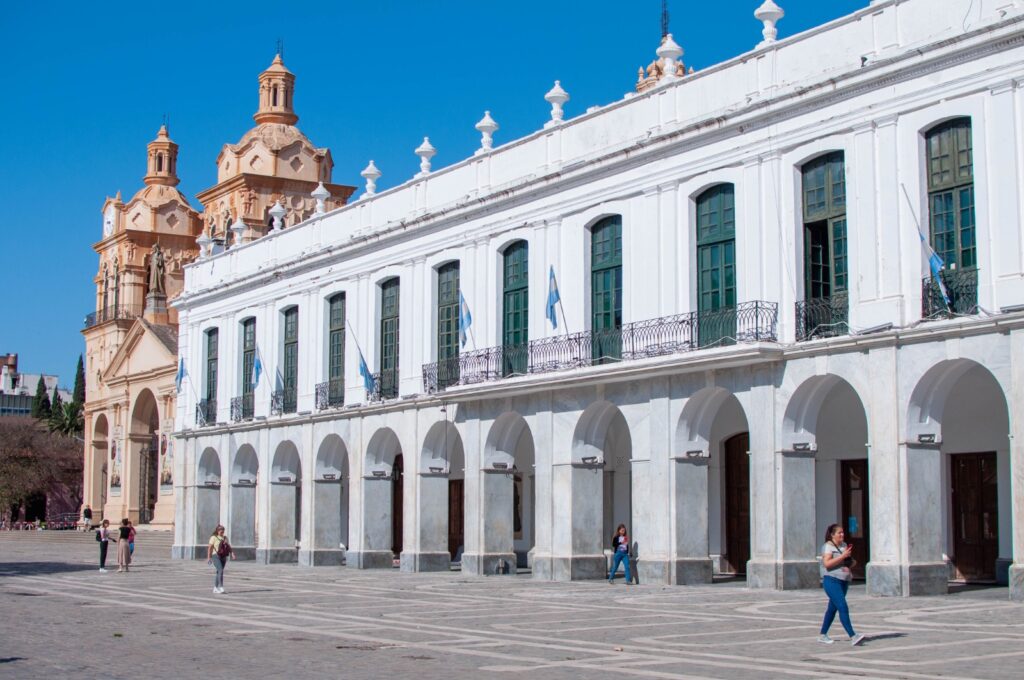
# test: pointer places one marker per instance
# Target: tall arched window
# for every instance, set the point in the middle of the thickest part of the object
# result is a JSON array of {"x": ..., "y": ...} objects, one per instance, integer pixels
[
  {"x": 389, "y": 308},
  {"x": 951, "y": 216},
  {"x": 248, "y": 366},
  {"x": 117, "y": 290},
  {"x": 448, "y": 324},
  {"x": 273, "y": 96},
  {"x": 106, "y": 290},
  {"x": 823, "y": 312},
  {"x": 606, "y": 289},
  {"x": 159, "y": 162},
  {"x": 290, "y": 374},
  {"x": 336, "y": 350},
  {"x": 716, "y": 265},
  {"x": 515, "y": 315},
  {"x": 208, "y": 406}
]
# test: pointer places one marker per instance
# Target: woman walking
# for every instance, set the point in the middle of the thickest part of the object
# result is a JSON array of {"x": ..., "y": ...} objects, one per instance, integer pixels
[
  {"x": 620, "y": 551},
  {"x": 124, "y": 555},
  {"x": 103, "y": 536},
  {"x": 835, "y": 564},
  {"x": 217, "y": 554},
  {"x": 131, "y": 539}
]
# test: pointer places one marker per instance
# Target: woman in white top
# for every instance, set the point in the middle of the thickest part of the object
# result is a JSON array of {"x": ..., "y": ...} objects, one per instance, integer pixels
[{"x": 836, "y": 561}]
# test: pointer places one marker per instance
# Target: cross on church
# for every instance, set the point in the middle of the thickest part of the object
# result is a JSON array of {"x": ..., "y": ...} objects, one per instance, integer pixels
[
  {"x": 280, "y": 47},
  {"x": 664, "y": 18}
]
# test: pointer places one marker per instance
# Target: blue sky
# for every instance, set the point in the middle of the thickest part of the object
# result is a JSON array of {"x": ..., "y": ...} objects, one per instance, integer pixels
[{"x": 90, "y": 84}]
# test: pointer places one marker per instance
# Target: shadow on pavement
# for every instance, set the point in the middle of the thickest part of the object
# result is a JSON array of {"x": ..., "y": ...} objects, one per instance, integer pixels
[{"x": 32, "y": 568}]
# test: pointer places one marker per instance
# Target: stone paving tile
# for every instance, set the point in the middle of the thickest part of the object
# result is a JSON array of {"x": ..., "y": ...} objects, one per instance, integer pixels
[{"x": 61, "y": 617}]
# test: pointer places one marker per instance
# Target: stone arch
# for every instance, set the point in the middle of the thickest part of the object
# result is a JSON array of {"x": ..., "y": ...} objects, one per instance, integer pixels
[
  {"x": 208, "y": 471},
  {"x": 383, "y": 501},
  {"x": 331, "y": 493},
  {"x": 245, "y": 475},
  {"x": 961, "y": 459},
  {"x": 800, "y": 421},
  {"x": 143, "y": 455},
  {"x": 207, "y": 496},
  {"x": 693, "y": 430},
  {"x": 99, "y": 470},
  {"x": 285, "y": 503},
  {"x": 440, "y": 501},
  {"x": 381, "y": 452}
]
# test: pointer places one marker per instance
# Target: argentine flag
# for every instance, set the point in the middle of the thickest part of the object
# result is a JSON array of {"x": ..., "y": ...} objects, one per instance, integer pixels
[
  {"x": 257, "y": 369},
  {"x": 465, "y": 319},
  {"x": 180, "y": 377},
  {"x": 936, "y": 264},
  {"x": 364, "y": 371},
  {"x": 553, "y": 298}
]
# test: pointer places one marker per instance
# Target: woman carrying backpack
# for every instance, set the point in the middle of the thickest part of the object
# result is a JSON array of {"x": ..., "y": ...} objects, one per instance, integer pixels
[{"x": 217, "y": 554}]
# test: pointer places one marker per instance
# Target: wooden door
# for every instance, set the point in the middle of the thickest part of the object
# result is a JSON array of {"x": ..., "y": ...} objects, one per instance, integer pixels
[
  {"x": 455, "y": 516},
  {"x": 975, "y": 516},
  {"x": 737, "y": 502},
  {"x": 397, "y": 475},
  {"x": 856, "y": 512}
]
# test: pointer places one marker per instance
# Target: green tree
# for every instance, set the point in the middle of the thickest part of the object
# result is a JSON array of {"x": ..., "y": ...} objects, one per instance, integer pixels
[
  {"x": 56, "y": 406},
  {"x": 67, "y": 420},
  {"x": 41, "y": 402},
  {"x": 78, "y": 396}
]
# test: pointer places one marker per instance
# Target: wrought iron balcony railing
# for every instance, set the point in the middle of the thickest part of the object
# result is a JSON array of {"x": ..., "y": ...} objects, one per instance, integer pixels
[
  {"x": 748, "y": 322},
  {"x": 330, "y": 394},
  {"x": 242, "y": 408},
  {"x": 112, "y": 313},
  {"x": 385, "y": 385},
  {"x": 962, "y": 287},
  {"x": 283, "y": 401},
  {"x": 206, "y": 412},
  {"x": 823, "y": 317}
]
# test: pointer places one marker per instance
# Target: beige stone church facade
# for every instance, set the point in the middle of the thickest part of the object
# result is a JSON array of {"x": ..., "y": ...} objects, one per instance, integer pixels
[{"x": 131, "y": 337}]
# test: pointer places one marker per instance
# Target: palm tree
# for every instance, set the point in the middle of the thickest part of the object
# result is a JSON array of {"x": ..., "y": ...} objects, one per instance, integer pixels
[{"x": 68, "y": 419}]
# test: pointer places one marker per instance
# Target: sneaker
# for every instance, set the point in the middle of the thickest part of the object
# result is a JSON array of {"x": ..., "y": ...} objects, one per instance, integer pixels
[
  {"x": 221, "y": 589},
  {"x": 216, "y": 591},
  {"x": 825, "y": 639},
  {"x": 102, "y": 570},
  {"x": 857, "y": 639}
]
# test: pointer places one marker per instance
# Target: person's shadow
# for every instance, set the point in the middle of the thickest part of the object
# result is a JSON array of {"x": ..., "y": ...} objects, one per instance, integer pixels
[
  {"x": 42, "y": 568},
  {"x": 634, "y": 555}
]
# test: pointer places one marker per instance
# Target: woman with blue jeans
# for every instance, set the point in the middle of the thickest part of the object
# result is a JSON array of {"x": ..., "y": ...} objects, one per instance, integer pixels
[
  {"x": 835, "y": 564},
  {"x": 620, "y": 552}
]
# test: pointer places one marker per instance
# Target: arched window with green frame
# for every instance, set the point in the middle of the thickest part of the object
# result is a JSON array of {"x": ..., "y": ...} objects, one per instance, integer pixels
[
  {"x": 248, "y": 367},
  {"x": 716, "y": 265},
  {"x": 951, "y": 217},
  {"x": 606, "y": 289},
  {"x": 336, "y": 349},
  {"x": 515, "y": 308},
  {"x": 290, "y": 373},
  {"x": 389, "y": 307},
  {"x": 448, "y": 324},
  {"x": 824, "y": 310}
]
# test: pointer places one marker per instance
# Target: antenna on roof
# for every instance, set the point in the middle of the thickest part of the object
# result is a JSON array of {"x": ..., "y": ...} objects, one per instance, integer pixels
[
  {"x": 664, "y": 18},
  {"x": 280, "y": 47}
]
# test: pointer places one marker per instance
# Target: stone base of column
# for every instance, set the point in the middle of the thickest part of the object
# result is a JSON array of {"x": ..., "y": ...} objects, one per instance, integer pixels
[
  {"x": 650, "y": 570},
  {"x": 370, "y": 559},
  {"x": 925, "y": 579},
  {"x": 180, "y": 552},
  {"x": 321, "y": 558},
  {"x": 1016, "y": 577},
  {"x": 412, "y": 562},
  {"x": 486, "y": 564},
  {"x": 793, "y": 575},
  {"x": 577, "y": 568},
  {"x": 1003, "y": 571},
  {"x": 276, "y": 555},
  {"x": 884, "y": 579},
  {"x": 689, "y": 571},
  {"x": 246, "y": 554}
]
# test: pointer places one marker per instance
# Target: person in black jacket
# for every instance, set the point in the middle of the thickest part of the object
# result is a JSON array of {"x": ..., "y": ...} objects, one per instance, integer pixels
[{"x": 620, "y": 551}]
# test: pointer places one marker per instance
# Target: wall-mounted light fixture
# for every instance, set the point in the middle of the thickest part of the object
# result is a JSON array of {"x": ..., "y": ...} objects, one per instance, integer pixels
[
  {"x": 696, "y": 453},
  {"x": 246, "y": 482},
  {"x": 802, "y": 446},
  {"x": 211, "y": 482},
  {"x": 330, "y": 476},
  {"x": 284, "y": 479},
  {"x": 926, "y": 438},
  {"x": 436, "y": 470},
  {"x": 589, "y": 460},
  {"x": 380, "y": 473},
  {"x": 501, "y": 466}
]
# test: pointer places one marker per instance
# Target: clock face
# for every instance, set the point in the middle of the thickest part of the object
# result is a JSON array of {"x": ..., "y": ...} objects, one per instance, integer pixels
[{"x": 108, "y": 222}]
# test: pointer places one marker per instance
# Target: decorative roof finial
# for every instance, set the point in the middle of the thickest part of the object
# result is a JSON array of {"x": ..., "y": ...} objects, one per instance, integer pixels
[
  {"x": 669, "y": 52},
  {"x": 278, "y": 213},
  {"x": 371, "y": 174},
  {"x": 320, "y": 195},
  {"x": 769, "y": 14},
  {"x": 487, "y": 127},
  {"x": 556, "y": 96},
  {"x": 425, "y": 151},
  {"x": 238, "y": 229}
]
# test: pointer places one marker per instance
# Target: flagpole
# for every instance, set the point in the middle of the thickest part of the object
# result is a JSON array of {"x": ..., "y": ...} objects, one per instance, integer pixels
[
  {"x": 936, "y": 275},
  {"x": 564, "y": 322}
]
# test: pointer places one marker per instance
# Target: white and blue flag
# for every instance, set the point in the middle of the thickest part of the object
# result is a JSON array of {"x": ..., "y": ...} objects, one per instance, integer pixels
[
  {"x": 257, "y": 368},
  {"x": 465, "y": 319},
  {"x": 364, "y": 371},
  {"x": 553, "y": 298},
  {"x": 936, "y": 264},
  {"x": 180, "y": 377}
]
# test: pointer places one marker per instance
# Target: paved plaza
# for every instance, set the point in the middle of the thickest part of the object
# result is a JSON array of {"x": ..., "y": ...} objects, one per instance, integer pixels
[{"x": 61, "y": 618}]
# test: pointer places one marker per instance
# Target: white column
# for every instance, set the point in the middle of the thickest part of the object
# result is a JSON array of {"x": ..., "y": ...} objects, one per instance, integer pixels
[
  {"x": 891, "y": 216},
  {"x": 864, "y": 234},
  {"x": 999, "y": 249},
  {"x": 1016, "y": 409}
]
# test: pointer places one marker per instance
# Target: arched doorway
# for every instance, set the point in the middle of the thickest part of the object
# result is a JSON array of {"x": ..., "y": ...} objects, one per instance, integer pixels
[
  {"x": 144, "y": 458},
  {"x": 244, "y": 481},
  {"x": 601, "y": 490},
  {"x": 285, "y": 504},
  {"x": 962, "y": 459},
  {"x": 330, "y": 504},
  {"x": 711, "y": 488},
  {"x": 207, "y": 497},
  {"x": 98, "y": 488},
  {"x": 825, "y": 420},
  {"x": 440, "y": 530},
  {"x": 383, "y": 493}
]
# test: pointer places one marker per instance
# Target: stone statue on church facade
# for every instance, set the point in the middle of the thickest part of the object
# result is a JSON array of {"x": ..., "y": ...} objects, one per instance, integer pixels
[{"x": 157, "y": 268}]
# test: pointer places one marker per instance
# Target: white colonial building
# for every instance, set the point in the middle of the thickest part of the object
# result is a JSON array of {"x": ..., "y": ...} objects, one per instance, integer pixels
[{"x": 750, "y": 341}]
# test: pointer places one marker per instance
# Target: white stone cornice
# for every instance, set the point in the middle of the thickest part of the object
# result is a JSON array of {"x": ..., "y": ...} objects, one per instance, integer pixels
[
  {"x": 1003, "y": 87},
  {"x": 886, "y": 121},
  {"x": 650, "y": 191},
  {"x": 863, "y": 127}
]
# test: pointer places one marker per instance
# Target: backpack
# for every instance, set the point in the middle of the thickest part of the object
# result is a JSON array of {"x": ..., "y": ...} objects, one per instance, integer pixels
[
  {"x": 224, "y": 549},
  {"x": 98, "y": 539}
]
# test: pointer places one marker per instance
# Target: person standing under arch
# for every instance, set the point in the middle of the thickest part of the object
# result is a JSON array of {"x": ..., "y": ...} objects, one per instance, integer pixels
[{"x": 620, "y": 553}]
